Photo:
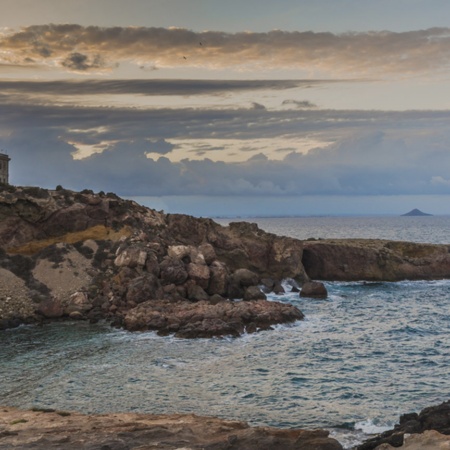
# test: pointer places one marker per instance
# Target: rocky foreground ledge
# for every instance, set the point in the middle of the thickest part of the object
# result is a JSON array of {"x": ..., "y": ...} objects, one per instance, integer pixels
[
  {"x": 86, "y": 256},
  {"x": 48, "y": 429}
]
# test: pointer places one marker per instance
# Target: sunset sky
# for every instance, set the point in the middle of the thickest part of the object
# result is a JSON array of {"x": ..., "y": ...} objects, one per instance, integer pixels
[{"x": 206, "y": 107}]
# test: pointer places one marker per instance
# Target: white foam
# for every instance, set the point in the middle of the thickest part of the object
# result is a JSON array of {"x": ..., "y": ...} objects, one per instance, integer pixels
[{"x": 369, "y": 427}]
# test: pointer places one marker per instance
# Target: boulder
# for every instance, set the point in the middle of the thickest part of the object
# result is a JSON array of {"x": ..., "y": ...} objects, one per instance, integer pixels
[
  {"x": 245, "y": 278},
  {"x": 78, "y": 303},
  {"x": 218, "y": 282},
  {"x": 208, "y": 252},
  {"x": 131, "y": 257},
  {"x": 196, "y": 293},
  {"x": 143, "y": 288},
  {"x": 172, "y": 271},
  {"x": 199, "y": 273},
  {"x": 50, "y": 308},
  {"x": 254, "y": 293},
  {"x": 313, "y": 289},
  {"x": 152, "y": 264}
]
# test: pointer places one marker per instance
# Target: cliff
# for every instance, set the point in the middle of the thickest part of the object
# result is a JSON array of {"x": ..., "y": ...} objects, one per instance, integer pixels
[{"x": 375, "y": 260}]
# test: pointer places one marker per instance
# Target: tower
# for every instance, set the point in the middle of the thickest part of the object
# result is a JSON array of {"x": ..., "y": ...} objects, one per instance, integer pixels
[{"x": 4, "y": 168}]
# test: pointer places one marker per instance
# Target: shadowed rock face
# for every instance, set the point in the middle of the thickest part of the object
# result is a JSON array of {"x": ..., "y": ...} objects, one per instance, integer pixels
[
  {"x": 375, "y": 260},
  {"x": 74, "y": 431}
]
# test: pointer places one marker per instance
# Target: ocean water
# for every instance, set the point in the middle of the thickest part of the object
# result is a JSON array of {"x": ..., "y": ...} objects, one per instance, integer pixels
[{"x": 367, "y": 354}]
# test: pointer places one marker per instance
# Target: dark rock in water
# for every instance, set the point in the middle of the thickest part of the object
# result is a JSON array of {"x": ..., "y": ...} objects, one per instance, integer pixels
[
  {"x": 416, "y": 212},
  {"x": 314, "y": 289},
  {"x": 278, "y": 288},
  {"x": 433, "y": 418},
  {"x": 203, "y": 319},
  {"x": 254, "y": 293}
]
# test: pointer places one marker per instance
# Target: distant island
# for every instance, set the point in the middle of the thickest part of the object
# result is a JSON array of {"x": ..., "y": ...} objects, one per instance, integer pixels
[{"x": 416, "y": 212}]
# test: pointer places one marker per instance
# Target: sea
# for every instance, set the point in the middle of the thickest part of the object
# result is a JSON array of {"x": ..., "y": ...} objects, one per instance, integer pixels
[{"x": 360, "y": 359}]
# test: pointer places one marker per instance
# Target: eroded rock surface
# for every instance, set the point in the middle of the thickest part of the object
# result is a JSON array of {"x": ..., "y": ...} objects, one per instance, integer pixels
[{"x": 74, "y": 431}]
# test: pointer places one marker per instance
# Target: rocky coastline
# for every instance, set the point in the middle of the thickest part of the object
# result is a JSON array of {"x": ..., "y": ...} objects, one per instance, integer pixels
[
  {"x": 68, "y": 255},
  {"x": 86, "y": 256}
]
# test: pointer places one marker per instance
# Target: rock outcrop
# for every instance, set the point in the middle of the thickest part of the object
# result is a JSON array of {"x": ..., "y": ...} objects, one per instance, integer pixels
[
  {"x": 49, "y": 429},
  {"x": 435, "y": 418},
  {"x": 375, "y": 260},
  {"x": 95, "y": 256},
  {"x": 81, "y": 255}
]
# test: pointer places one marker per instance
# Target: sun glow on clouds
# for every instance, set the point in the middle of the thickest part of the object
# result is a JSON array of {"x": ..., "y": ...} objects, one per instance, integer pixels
[{"x": 237, "y": 150}]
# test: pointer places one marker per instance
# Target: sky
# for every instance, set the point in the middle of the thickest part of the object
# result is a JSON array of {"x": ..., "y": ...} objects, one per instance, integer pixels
[{"x": 237, "y": 108}]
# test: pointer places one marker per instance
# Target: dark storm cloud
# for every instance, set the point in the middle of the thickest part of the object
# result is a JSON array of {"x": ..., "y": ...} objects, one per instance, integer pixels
[
  {"x": 409, "y": 157},
  {"x": 79, "y": 62},
  {"x": 381, "y": 52},
  {"x": 148, "y": 87}
]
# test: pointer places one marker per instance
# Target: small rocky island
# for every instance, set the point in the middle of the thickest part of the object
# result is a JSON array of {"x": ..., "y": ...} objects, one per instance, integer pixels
[
  {"x": 415, "y": 212},
  {"x": 68, "y": 255}
]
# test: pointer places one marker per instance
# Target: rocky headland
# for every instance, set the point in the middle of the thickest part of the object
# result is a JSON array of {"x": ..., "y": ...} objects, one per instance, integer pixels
[{"x": 87, "y": 256}]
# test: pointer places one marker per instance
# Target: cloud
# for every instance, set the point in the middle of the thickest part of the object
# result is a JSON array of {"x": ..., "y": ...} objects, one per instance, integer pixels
[
  {"x": 373, "y": 152},
  {"x": 74, "y": 47},
  {"x": 299, "y": 103},
  {"x": 79, "y": 62},
  {"x": 144, "y": 87}
]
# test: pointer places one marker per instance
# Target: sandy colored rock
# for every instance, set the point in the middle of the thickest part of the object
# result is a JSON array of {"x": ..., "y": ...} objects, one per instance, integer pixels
[
  {"x": 429, "y": 440},
  {"x": 15, "y": 297},
  {"x": 66, "y": 277},
  {"x": 75, "y": 431}
]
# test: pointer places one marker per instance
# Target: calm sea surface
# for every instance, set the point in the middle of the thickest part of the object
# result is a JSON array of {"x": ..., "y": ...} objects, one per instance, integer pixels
[{"x": 367, "y": 354}]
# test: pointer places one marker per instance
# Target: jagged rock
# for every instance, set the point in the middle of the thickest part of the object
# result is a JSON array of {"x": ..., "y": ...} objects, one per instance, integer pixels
[{"x": 313, "y": 289}]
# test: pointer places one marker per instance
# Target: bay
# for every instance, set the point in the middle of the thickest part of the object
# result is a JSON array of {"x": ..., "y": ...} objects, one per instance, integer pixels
[{"x": 367, "y": 354}]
